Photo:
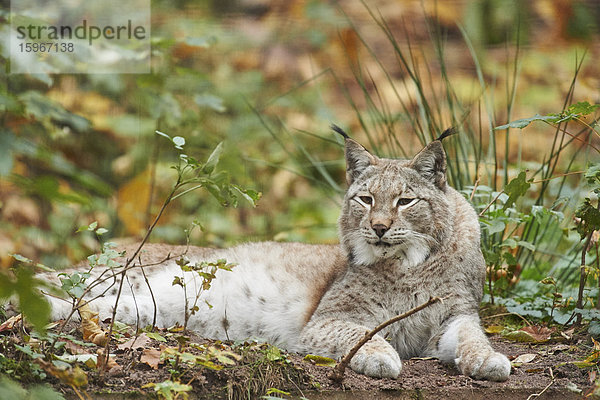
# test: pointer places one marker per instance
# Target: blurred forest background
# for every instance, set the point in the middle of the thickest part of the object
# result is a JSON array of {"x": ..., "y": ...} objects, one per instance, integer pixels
[{"x": 268, "y": 78}]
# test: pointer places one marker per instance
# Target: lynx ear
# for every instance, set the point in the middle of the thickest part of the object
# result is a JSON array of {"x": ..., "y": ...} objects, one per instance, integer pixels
[
  {"x": 357, "y": 157},
  {"x": 431, "y": 164},
  {"x": 357, "y": 160}
]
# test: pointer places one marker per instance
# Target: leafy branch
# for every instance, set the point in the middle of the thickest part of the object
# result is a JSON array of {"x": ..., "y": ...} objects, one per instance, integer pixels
[{"x": 203, "y": 175}]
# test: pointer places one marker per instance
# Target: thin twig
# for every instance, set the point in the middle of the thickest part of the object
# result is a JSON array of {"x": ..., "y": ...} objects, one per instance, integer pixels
[
  {"x": 475, "y": 186},
  {"x": 491, "y": 202},
  {"x": 506, "y": 314},
  {"x": 151, "y": 296},
  {"x": 535, "y": 395},
  {"x": 583, "y": 276},
  {"x": 337, "y": 374}
]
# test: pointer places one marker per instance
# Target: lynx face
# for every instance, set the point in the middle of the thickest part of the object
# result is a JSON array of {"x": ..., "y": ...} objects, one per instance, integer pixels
[{"x": 394, "y": 209}]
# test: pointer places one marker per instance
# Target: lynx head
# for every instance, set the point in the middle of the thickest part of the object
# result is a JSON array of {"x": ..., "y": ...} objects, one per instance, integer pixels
[{"x": 394, "y": 209}]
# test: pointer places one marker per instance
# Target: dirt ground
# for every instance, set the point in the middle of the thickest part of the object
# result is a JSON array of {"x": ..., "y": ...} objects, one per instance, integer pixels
[{"x": 550, "y": 369}]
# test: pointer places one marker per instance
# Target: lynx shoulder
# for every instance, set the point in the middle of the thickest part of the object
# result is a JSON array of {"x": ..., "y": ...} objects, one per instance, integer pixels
[{"x": 405, "y": 236}]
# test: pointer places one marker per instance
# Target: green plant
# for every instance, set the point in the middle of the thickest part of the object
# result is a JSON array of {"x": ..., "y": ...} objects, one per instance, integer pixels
[
  {"x": 207, "y": 272},
  {"x": 525, "y": 206},
  {"x": 10, "y": 390},
  {"x": 170, "y": 390},
  {"x": 23, "y": 285},
  {"x": 209, "y": 357}
]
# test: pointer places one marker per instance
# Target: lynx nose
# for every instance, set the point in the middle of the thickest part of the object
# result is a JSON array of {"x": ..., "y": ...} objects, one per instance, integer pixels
[{"x": 380, "y": 229}]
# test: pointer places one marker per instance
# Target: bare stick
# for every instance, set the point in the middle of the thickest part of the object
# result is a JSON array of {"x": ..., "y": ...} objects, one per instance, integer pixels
[
  {"x": 151, "y": 295},
  {"x": 337, "y": 374},
  {"x": 536, "y": 395}
]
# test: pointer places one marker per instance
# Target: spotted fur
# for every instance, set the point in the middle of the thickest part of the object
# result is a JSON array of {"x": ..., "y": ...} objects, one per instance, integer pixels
[{"x": 405, "y": 236}]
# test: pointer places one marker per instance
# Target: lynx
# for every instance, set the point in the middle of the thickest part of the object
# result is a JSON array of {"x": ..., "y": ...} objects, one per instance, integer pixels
[{"x": 405, "y": 236}]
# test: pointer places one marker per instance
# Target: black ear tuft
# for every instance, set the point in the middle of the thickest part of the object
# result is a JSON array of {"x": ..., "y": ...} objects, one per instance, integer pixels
[
  {"x": 448, "y": 132},
  {"x": 339, "y": 130}
]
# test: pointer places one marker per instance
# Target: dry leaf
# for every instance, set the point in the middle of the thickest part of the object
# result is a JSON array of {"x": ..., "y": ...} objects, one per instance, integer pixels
[
  {"x": 568, "y": 334},
  {"x": 535, "y": 370},
  {"x": 530, "y": 334},
  {"x": 89, "y": 325},
  {"x": 559, "y": 347},
  {"x": 69, "y": 376},
  {"x": 135, "y": 343},
  {"x": 596, "y": 344},
  {"x": 74, "y": 348},
  {"x": 524, "y": 359},
  {"x": 111, "y": 365},
  {"x": 10, "y": 323},
  {"x": 151, "y": 357},
  {"x": 538, "y": 332}
]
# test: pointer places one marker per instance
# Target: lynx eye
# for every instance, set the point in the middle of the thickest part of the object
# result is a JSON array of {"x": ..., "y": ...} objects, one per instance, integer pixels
[
  {"x": 368, "y": 200},
  {"x": 405, "y": 202}
]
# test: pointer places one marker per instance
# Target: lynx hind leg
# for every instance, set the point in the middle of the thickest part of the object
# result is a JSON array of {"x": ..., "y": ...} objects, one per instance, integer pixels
[{"x": 465, "y": 344}]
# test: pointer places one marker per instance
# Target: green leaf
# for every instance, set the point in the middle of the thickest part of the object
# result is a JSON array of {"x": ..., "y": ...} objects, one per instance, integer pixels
[
  {"x": 10, "y": 390},
  {"x": 156, "y": 336},
  {"x": 215, "y": 191},
  {"x": 516, "y": 188},
  {"x": 320, "y": 360},
  {"x": 527, "y": 245},
  {"x": 179, "y": 142},
  {"x": 272, "y": 353},
  {"x": 520, "y": 336},
  {"x": 495, "y": 226},
  {"x": 594, "y": 328},
  {"x": 164, "y": 135},
  {"x": 33, "y": 304},
  {"x": 522, "y": 123},
  {"x": 213, "y": 159},
  {"x": 590, "y": 218},
  {"x": 592, "y": 175},
  {"x": 574, "y": 111},
  {"x": 250, "y": 195},
  {"x": 43, "y": 393},
  {"x": 509, "y": 258},
  {"x": 22, "y": 259},
  {"x": 582, "y": 108},
  {"x": 167, "y": 388},
  {"x": 276, "y": 391}
]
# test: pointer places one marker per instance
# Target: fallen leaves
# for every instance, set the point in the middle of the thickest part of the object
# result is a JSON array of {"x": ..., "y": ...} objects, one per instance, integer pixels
[
  {"x": 135, "y": 343},
  {"x": 108, "y": 363},
  {"x": 72, "y": 376},
  {"x": 90, "y": 326},
  {"x": 320, "y": 360},
  {"x": 523, "y": 359},
  {"x": 10, "y": 323},
  {"x": 151, "y": 357},
  {"x": 531, "y": 334}
]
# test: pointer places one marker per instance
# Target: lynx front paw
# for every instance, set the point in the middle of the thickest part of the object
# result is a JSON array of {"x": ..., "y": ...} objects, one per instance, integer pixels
[
  {"x": 378, "y": 363},
  {"x": 493, "y": 366}
]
